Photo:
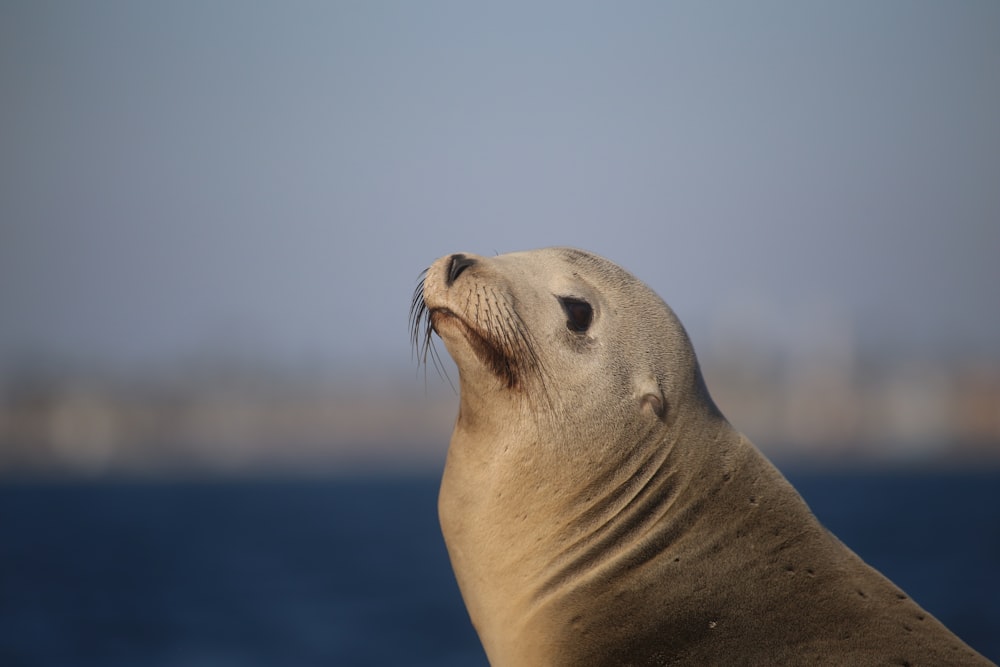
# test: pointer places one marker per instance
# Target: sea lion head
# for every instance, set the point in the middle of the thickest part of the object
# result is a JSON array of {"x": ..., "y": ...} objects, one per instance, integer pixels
[{"x": 558, "y": 345}]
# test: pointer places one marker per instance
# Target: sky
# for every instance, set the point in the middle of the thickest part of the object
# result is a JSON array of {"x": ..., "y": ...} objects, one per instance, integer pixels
[{"x": 184, "y": 179}]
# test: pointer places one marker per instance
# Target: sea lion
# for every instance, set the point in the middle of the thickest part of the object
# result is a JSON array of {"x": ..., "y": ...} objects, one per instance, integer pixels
[{"x": 598, "y": 508}]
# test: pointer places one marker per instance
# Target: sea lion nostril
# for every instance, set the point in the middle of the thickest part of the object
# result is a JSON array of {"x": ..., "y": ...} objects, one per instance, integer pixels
[{"x": 457, "y": 265}]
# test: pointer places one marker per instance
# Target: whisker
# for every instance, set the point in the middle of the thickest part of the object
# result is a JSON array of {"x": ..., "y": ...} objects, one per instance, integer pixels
[
  {"x": 421, "y": 335},
  {"x": 418, "y": 310}
]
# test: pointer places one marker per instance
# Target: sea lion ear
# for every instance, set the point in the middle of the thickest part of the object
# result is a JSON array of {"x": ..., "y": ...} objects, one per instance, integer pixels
[{"x": 651, "y": 397}]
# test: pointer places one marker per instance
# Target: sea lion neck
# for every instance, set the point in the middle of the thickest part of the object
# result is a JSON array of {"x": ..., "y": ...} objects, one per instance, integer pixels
[
  {"x": 543, "y": 539},
  {"x": 641, "y": 499},
  {"x": 600, "y": 496}
]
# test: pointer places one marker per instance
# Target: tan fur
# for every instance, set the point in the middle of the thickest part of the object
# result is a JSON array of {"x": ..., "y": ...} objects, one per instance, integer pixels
[{"x": 599, "y": 510}]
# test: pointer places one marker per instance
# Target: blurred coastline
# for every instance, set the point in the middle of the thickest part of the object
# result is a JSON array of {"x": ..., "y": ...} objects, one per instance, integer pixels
[
  {"x": 241, "y": 421},
  {"x": 820, "y": 409}
]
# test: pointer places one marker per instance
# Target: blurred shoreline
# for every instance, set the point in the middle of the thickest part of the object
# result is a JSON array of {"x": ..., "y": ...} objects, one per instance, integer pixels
[{"x": 246, "y": 421}]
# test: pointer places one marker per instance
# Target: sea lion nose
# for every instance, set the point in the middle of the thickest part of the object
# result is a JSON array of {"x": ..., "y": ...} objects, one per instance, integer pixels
[{"x": 456, "y": 266}]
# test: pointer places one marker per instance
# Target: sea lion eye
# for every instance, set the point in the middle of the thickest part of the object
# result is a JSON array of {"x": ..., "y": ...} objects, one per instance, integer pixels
[{"x": 579, "y": 314}]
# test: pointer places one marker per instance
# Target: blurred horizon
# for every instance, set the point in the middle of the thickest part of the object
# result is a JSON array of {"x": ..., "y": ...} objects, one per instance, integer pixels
[
  {"x": 213, "y": 217},
  {"x": 827, "y": 408}
]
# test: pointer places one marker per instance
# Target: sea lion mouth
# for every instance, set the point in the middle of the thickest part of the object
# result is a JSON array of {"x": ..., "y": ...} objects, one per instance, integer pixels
[
  {"x": 503, "y": 352},
  {"x": 492, "y": 355}
]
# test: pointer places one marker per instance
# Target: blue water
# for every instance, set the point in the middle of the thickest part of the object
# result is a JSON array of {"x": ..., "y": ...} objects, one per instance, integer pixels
[{"x": 354, "y": 572}]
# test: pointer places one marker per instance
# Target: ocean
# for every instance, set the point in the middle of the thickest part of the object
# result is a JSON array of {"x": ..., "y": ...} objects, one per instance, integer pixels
[{"x": 353, "y": 571}]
